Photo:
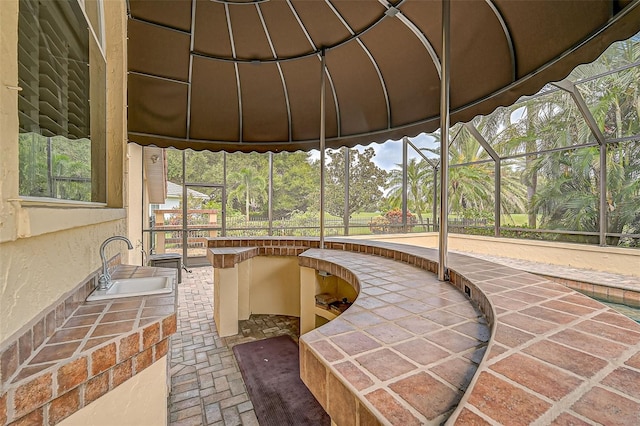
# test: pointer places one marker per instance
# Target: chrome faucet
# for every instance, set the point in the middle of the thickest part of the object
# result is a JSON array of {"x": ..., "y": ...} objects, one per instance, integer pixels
[{"x": 104, "y": 282}]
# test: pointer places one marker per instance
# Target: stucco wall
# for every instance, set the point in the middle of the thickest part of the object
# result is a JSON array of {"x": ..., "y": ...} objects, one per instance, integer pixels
[
  {"x": 46, "y": 249},
  {"x": 275, "y": 286},
  {"x": 40, "y": 270},
  {"x": 133, "y": 178},
  {"x": 8, "y": 119},
  {"x": 141, "y": 400}
]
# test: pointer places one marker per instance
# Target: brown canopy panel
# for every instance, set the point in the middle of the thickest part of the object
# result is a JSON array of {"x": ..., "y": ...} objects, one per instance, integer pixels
[{"x": 244, "y": 75}]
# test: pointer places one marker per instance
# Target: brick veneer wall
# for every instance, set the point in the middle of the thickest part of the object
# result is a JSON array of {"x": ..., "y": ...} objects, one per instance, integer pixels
[
  {"x": 49, "y": 392},
  {"x": 54, "y": 395}
]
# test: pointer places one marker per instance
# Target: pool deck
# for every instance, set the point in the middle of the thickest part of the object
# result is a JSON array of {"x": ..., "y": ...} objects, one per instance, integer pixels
[
  {"x": 565, "y": 272},
  {"x": 555, "y": 356}
]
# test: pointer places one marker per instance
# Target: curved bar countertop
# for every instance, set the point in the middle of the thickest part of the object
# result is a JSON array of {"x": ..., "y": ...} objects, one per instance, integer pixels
[
  {"x": 554, "y": 356},
  {"x": 405, "y": 351}
]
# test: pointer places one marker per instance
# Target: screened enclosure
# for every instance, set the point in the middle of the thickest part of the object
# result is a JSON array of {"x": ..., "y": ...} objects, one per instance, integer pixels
[{"x": 560, "y": 165}]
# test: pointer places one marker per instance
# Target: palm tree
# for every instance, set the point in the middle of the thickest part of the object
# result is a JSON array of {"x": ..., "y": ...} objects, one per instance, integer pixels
[
  {"x": 247, "y": 183},
  {"x": 614, "y": 99},
  {"x": 623, "y": 190},
  {"x": 471, "y": 185},
  {"x": 569, "y": 196},
  {"x": 545, "y": 121},
  {"x": 419, "y": 186},
  {"x": 569, "y": 193}
]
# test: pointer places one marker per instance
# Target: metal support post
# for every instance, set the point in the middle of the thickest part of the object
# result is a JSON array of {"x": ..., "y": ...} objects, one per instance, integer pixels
[
  {"x": 322, "y": 144},
  {"x": 347, "y": 172},
  {"x": 498, "y": 196},
  {"x": 436, "y": 172},
  {"x": 405, "y": 156},
  {"x": 603, "y": 195},
  {"x": 224, "y": 194},
  {"x": 443, "y": 273},
  {"x": 270, "y": 193}
]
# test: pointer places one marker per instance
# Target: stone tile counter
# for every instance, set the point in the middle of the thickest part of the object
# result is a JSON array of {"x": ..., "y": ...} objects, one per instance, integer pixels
[
  {"x": 81, "y": 350},
  {"x": 413, "y": 350},
  {"x": 403, "y": 353},
  {"x": 555, "y": 356}
]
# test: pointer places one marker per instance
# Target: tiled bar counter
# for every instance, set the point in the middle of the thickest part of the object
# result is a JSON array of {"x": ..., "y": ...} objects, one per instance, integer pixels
[
  {"x": 404, "y": 351},
  {"x": 79, "y": 351},
  {"x": 409, "y": 352}
]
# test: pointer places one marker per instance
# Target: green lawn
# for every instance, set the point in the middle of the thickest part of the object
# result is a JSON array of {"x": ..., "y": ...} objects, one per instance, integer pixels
[
  {"x": 516, "y": 220},
  {"x": 520, "y": 219},
  {"x": 365, "y": 215}
]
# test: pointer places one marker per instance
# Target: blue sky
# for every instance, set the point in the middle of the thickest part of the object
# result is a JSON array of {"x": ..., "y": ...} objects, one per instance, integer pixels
[{"x": 389, "y": 154}]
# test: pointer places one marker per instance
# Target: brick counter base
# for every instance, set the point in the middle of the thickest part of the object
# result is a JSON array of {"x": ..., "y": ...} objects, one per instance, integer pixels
[{"x": 95, "y": 349}]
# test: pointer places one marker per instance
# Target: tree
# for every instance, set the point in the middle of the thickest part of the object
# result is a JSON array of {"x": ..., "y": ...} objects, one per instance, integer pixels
[
  {"x": 569, "y": 192},
  {"x": 54, "y": 167},
  {"x": 419, "y": 186},
  {"x": 366, "y": 181},
  {"x": 295, "y": 183},
  {"x": 295, "y": 178},
  {"x": 201, "y": 166},
  {"x": 249, "y": 185},
  {"x": 563, "y": 188},
  {"x": 472, "y": 176}
]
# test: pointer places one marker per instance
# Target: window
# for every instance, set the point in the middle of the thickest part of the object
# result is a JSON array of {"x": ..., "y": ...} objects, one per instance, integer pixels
[{"x": 61, "y": 70}]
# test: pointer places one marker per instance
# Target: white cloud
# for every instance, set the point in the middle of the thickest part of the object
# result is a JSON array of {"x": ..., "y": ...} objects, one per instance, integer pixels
[{"x": 389, "y": 153}]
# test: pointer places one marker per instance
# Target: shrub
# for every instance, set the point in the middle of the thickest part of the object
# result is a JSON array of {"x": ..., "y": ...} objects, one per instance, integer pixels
[{"x": 391, "y": 222}]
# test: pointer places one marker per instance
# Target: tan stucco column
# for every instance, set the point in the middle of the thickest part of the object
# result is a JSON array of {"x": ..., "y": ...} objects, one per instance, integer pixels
[
  {"x": 231, "y": 297},
  {"x": 307, "y": 299},
  {"x": 225, "y": 300}
]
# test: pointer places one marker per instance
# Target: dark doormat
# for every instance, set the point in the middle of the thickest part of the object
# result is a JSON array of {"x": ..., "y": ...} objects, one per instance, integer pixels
[{"x": 271, "y": 370}]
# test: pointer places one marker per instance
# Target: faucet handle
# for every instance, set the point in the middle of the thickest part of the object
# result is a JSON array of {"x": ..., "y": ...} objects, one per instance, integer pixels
[{"x": 102, "y": 282}]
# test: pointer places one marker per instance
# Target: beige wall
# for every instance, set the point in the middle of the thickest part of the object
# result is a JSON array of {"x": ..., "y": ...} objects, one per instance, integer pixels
[
  {"x": 260, "y": 285},
  {"x": 141, "y": 400},
  {"x": 308, "y": 291},
  {"x": 46, "y": 249},
  {"x": 226, "y": 290},
  {"x": 605, "y": 259},
  {"x": 133, "y": 202},
  {"x": 275, "y": 285},
  {"x": 39, "y": 270},
  {"x": 8, "y": 121}
]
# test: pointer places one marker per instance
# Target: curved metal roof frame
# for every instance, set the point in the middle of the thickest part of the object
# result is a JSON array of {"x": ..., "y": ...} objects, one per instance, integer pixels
[
  {"x": 570, "y": 87},
  {"x": 245, "y": 75}
]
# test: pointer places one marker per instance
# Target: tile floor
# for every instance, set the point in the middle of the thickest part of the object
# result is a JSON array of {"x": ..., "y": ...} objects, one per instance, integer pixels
[
  {"x": 577, "y": 274},
  {"x": 207, "y": 386}
]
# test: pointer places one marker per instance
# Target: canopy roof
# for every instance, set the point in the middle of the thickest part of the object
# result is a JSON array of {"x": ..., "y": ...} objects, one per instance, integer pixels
[{"x": 244, "y": 75}]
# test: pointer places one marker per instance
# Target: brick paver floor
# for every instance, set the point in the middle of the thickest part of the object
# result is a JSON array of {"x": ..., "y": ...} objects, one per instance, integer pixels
[{"x": 206, "y": 383}]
